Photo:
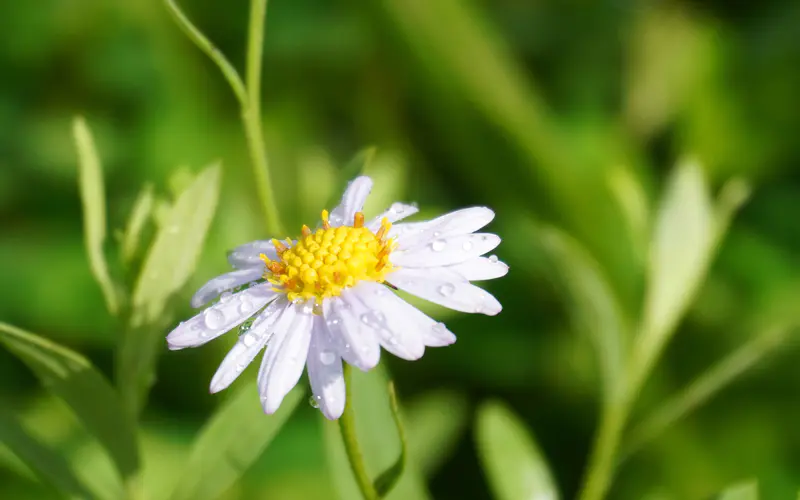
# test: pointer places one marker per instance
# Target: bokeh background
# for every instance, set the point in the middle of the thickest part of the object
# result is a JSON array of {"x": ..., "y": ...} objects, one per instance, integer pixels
[{"x": 568, "y": 114}]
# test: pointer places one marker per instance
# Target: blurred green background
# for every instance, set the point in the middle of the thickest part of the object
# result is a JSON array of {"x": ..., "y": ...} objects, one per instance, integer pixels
[{"x": 568, "y": 114}]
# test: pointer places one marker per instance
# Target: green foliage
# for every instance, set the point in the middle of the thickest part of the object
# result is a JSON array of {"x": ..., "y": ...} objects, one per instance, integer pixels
[
  {"x": 231, "y": 441},
  {"x": 73, "y": 379},
  {"x": 94, "y": 210},
  {"x": 435, "y": 421},
  {"x": 741, "y": 491},
  {"x": 50, "y": 466},
  {"x": 511, "y": 458}
]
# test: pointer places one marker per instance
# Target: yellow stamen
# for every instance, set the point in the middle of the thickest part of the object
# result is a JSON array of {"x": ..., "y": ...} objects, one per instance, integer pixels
[
  {"x": 325, "y": 223},
  {"x": 324, "y": 262}
]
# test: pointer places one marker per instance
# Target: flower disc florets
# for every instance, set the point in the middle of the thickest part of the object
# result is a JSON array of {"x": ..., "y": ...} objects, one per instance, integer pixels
[{"x": 323, "y": 263}]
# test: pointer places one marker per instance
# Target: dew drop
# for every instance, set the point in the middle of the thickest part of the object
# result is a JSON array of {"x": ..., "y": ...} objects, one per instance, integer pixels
[
  {"x": 240, "y": 368},
  {"x": 313, "y": 401},
  {"x": 214, "y": 319},
  {"x": 447, "y": 289},
  {"x": 393, "y": 340},
  {"x": 225, "y": 297},
  {"x": 327, "y": 357},
  {"x": 246, "y": 306},
  {"x": 493, "y": 259},
  {"x": 249, "y": 340},
  {"x": 436, "y": 234},
  {"x": 438, "y": 245},
  {"x": 467, "y": 246},
  {"x": 439, "y": 328}
]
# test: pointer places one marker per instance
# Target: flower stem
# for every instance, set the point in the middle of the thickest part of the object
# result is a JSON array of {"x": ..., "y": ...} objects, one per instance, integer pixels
[
  {"x": 251, "y": 116},
  {"x": 347, "y": 425},
  {"x": 603, "y": 458}
]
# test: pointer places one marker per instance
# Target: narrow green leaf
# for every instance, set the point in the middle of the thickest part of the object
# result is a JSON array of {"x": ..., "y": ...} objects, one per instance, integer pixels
[
  {"x": 705, "y": 387},
  {"x": 680, "y": 250},
  {"x": 378, "y": 439},
  {"x": 72, "y": 378},
  {"x": 48, "y": 465},
  {"x": 592, "y": 302},
  {"x": 688, "y": 230},
  {"x": 747, "y": 490},
  {"x": 90, "y": 179},
  {"x": 510, "y": 456},
  {"x": 141, "y": 211},
  {"x": 435, "y": 422},
  {"x": 386, "y": 482},
  {"x": 167, "y": 267},
  {"x": 177, "y": 246},
  {"x": 234, "y": 438}
]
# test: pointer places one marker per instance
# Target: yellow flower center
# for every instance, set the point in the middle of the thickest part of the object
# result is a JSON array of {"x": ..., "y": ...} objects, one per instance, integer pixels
[{"x": 323, "y": 263}]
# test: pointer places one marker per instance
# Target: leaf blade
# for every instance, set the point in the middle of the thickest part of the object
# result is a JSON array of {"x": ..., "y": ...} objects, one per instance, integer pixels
[
  {"x": 93, "y": 199},
  {"x": 239, "y": 431},
  {"x": 72, "y": 378},
  {"x": 168, "y": 265},
  {"x": 48, "y": 465},
  {"x": 510, "y": 456},
  {"x": 435, "y": 422}
]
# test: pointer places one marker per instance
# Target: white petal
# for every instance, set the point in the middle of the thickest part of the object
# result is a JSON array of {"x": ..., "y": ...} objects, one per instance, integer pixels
[
  {"x": 396, "y": 212},
  {"x": 464, "y": 221},
  {"x": 248, "y": 346},
  {"x": 445, "y": 251},
  {"x": 389, "y": 316},
  {"x": 227, "y": 281},
  {"x": 352, "y": 201},
  {"x": 354, "y": 341},
  {"x": 444, "y": 287},
  {"x": 480, "y": 268},
  {"x": 325, "y": 371},
  {"x": 285, "y": 357},
  {"x": 247, "y": 255},
  {"x": 221, "y": 317}
]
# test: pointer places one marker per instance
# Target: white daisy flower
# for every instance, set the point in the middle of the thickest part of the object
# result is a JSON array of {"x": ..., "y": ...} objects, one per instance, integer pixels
[{"x": 323, "y": 299}]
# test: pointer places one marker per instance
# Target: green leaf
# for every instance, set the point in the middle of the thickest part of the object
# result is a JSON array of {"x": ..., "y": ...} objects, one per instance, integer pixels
[
  {"x": 687, "y": 232},
  {"x": 141, "y": 211},
  {"x": 174, "y": 254},
  {"x": 72, "y": 378},
  {"x": 90, "y": 179},
  {"x": 51, "y": 467},
  {"x": 435, "y": 422},
  {"x": 747, "y": 490},
  {"x": 167, "y": 267},
  {"x": 704, "y": 387},
  {"x": 510, "y": 456},
  {"x": 377, "y": 436},
  {"x": 234, "y": 438},
  {"x": 386, "y": 482},
  {"x": 591, "y": 301}
]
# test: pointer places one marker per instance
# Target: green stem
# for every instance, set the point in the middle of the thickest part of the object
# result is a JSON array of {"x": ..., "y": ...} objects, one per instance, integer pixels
[
  {"x": 251, "y": 116},
  {"x": 203, "y": 43},
  {"x": 603, "y": 458},
  {"x": 347, "y": 425}
]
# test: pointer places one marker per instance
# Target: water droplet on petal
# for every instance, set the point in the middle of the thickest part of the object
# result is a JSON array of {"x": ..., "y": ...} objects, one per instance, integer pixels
[
  {"x": 246, "y": 306},
  {"x": 327, "y": 357},
  {"x": 493, "y": 259},
  {"x": 393, "y": 340},
  {"x": 447, "y": 289},
  {"x": 313, "y": 401},
  {"x": 239, "y": 367},
  {"x": 438, "y": 245},
  {"x": 248, "y": 340},
  {"x": 467, "y": 246},
  {"x": 439, "y": 328},
  {"x": 225, "y": 297},
  {"x": 436, "y": 234},
  {"x": 214, "y": 319}
]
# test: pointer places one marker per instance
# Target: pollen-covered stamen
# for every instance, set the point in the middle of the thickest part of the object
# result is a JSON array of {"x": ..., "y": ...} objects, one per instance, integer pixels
[{"x": 324, "y": 262}]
